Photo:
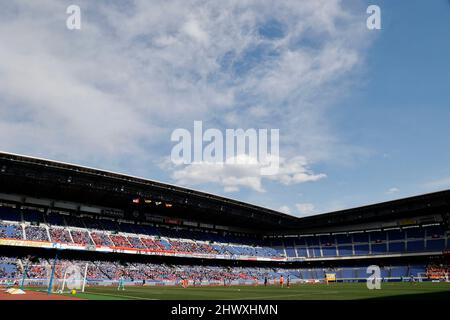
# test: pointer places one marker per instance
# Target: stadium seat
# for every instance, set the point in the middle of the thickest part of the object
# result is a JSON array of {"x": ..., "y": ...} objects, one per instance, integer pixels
[
  {"x": 10, "y": 214},
  {"x": 436, "y": 245},
  {"x": 345, "y": 250},
  {"x": 418, "y": 245},
  {"x": 396, "y": 235},
  {"x": 36, "y": 233},
  {"x": 361, "y": 249},
  {"x": 396, "y": 247},
  {"x": 379, "y": 248},
  {"x": 10, "y": 231}
]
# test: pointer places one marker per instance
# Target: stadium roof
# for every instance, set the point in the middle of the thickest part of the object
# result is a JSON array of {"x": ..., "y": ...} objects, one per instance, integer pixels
[
  {"x": 420, "y": 209},
  {"x": 44, "y": 178}
]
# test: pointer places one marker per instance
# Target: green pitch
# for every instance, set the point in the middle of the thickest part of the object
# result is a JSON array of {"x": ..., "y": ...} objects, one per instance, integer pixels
[{"x": 337, "y": 291}]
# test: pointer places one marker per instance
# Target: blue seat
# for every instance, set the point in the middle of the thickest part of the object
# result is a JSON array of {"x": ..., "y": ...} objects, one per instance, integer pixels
[
  {"x": 11, "y": 231},
  {"x": 319, "y": 274},
  {"x": 348, "y": 273},
  {"x": 345, "y": 250},
  {"x": 384, "y": 272},
  {"x": 306, "y": 274},
  {"x": 399, "y": 271},
  {"x": 329, "y": 251},
  {"x": 416, "y": 245},
  {"x": 301, "y": 252},
  {"x": 379, "y": 248},
  {"x": 9, "y": 214},
  {"x": 55, "y": 219},
  {"x": 396, "y": 247},
  {"x": 290, "y": 252},
  {"x": 436, "y": 245},
  {"x": 415, "y": 270},
  {"x": 361, "y": 249},
  {"x": 316, "y": 252},
  {"x": 166, "y": 244},
  {"x": 361, "y": 273},
  {"x": 33, "y": 216}
]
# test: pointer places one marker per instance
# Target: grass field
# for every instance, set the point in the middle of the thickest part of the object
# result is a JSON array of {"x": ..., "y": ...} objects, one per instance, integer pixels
[{"x": 339, "y": 291}]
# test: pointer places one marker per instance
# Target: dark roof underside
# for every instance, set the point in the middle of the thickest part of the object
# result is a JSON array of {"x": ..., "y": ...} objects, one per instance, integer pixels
[{"x": 49, "y": 179}]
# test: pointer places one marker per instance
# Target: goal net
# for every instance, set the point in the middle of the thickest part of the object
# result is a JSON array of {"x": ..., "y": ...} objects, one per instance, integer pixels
[
  {"x": 52, "y": 276},
  {"x": 68, "y": 276}
]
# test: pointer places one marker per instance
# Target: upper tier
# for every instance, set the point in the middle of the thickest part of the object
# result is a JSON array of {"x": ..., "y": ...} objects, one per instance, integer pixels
[{"x": 55, "y": 230}]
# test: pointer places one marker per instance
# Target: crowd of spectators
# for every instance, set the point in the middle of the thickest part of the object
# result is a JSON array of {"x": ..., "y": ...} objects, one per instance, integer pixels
[
  {"x": 60, "y": 235},
  {"x": 81, "y": 237},
  {"x": 37, "y": 271},
  {"x": 438, "y": 270},
  {"x": 101, "y": 239},
  {"x": 205, "y": 248},
  {"x": 120, "y": 241},
  {"x": 191, "y": 247},
  {"x": 8, "y": 268},
  {"x": 136, "y": 242},
  {"x": 101, "y": 270},
  {"x": 84, "y": 237},
  {"x": 152, "y": 244},
  {"x": 161, "y": 272},
  {"x": 107, "y": 270},
  {"x": 36, "y": 233},
  {"x": 10, "y": 231},
  {"x": 68, "y": 229}
]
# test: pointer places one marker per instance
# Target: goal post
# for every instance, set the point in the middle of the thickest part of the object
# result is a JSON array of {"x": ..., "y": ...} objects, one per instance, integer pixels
[
  {"x": 52, "y": 275},
  {"x": 68, "y": 276},
  {"x": 84, "y": 277}
]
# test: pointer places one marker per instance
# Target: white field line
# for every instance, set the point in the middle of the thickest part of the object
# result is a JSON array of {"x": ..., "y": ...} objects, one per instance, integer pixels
[{"x": 119, "y": 296}]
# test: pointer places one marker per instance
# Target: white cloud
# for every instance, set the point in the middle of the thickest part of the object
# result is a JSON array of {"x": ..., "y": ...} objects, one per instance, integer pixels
[
  {"x": 193, "y": 29},
  {"x": 294, "y": 171},
  {"x": 393, "y": 190},
  {"x": 231, "y": 177},
  {"x": 110, "y": 94},
  {"x": 242, "y": 171},
  {"x": 305, "y": 209},
  {"x": 285, "y": 209}
]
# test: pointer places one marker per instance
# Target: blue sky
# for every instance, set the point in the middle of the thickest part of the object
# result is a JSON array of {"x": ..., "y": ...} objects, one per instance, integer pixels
[
  {"x": 363, "y": 114},
  {"x": 401, "y": 111}
]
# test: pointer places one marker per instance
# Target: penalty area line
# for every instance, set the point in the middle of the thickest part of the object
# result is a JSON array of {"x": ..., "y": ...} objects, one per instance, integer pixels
[{"x": 119, "y": 296}]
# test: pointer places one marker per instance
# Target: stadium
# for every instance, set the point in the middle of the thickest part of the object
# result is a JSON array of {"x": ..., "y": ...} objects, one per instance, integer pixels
[{"x": 74, "y": 232}]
